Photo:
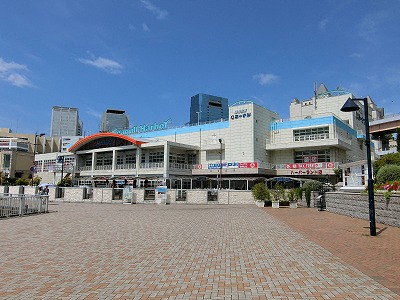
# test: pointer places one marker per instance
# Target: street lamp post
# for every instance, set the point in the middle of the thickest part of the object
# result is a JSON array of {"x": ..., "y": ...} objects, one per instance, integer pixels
[
  {"x": 198, "y": 117},
  {"x": 220, "y": 164},
  {"x": 351, "y": 106},
  {"x": 34, "y": 152}
]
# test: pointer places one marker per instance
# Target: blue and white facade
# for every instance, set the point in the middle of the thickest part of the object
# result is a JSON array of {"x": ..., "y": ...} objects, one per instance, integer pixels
[{"x": 254, "y": 142}]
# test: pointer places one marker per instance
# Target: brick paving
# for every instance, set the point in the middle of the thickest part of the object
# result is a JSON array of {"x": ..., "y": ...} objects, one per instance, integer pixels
[
  {"x": 349, "y": 238},
  {"x": 105, "y": 251}
]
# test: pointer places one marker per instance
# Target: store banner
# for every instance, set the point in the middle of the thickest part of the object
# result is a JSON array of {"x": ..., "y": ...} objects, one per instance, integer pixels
[{"x": 234, "y": 165}]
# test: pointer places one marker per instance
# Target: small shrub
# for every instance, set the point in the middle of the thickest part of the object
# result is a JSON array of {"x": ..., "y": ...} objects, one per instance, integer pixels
[
  {"x": 291, "y": 195},
  {"x": 388, "y": 173},
  {"x": 260, "y": 192},
  {"x": 36, "y": 180},
  {"x": 313, "y": 185},
  {"x": 22, "y": 181},
  {"x": 388, "y": 159},
  {"x": 67, "y": 181},
  {"x": 298, "y": 193},
  {"x": 307, "y": 194},
  {"x": 278, "y": 193}
]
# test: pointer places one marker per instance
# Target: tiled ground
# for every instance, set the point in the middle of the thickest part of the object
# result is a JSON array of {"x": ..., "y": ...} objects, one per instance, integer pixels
[
  {"x": 349, "y": 238},
  {"x": 103, "y": 251}
]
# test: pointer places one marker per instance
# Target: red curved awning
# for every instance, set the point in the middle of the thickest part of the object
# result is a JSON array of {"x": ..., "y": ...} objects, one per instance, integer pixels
[{"x": 96, "y": 136}]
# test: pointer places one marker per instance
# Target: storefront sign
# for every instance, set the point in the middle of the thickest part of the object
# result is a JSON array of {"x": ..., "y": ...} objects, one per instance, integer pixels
[
  {"x": 144, "y": 128},
  {"x": 233, "y": 165},
  {"x": 310, "y": 159},
  {"x": 241, "y": 114},
  {"x": 310, "y": 166},
  {"x": 306, "y": 172}
]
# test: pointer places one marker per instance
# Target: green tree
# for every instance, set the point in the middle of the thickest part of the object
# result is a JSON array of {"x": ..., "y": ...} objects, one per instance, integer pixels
[
  {"x": 398, "y": 139},
  {"x": 388, "y": 159},
  {"x": 307, "y": 194},
  {"x": 22, "y": 181},
  {"x": 388, "y": 173},
  {"x": 260, "y": 192},
  {"x": 67, "y": 181}
]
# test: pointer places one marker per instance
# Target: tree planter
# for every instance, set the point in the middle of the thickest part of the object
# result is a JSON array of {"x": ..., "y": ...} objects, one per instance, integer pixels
[
  {"x": 275, "y": 204},
  {"x": 260, "y": 203},
  {"x": 293, "y": 204}
]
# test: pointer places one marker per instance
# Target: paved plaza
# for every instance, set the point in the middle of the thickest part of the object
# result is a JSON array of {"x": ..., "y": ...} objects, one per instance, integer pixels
[{"x": 115, "y": 251}]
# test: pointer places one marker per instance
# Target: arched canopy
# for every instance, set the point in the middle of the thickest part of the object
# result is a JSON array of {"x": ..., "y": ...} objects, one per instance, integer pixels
[{"x": 103, "y": 140}]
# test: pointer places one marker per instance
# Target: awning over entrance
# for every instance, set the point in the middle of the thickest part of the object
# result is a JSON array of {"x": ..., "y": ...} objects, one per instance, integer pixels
[{"x": 103, "y": 140}]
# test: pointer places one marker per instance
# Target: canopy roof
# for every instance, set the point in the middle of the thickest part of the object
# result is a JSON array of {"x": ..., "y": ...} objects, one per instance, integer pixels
[{"x": 103, "y": 140}]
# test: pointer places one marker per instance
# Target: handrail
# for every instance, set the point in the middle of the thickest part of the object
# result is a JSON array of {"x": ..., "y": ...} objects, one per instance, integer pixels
[{"x": 19, "y": 205}]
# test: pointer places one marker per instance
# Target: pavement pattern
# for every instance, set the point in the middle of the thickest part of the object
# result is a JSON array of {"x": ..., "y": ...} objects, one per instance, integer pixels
[
  {"x": 349, "y": 238},
  {"x": 114, "y": 251}
]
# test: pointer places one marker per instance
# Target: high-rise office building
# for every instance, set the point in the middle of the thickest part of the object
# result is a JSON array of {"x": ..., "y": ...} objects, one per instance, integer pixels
[
  {"x": 114, "y": 119},
  {"x": 206, "y": 108},
  {"x": 65, "y": 122}
]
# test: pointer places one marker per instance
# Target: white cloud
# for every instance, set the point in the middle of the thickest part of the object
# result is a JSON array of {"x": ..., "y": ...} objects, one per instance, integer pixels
[
  {"x": 11, "y": 72},
  {"x": 357, "y": 55},
  {"x": 93, "y": 113},
  {"x": 158, "y": 12},
  {"x": 265, "y": 79},
  {"x": 369, "y": 27},
  {"x": 322, "y": 24},
  {"x": 145, "y": 27},
  {"x": 105, "y": 64}
]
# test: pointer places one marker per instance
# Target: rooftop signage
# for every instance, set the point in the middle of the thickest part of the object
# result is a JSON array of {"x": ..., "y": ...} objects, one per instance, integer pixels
[
  {"x": 241, "y": 114},
  {"x": 144, "y": 128}
]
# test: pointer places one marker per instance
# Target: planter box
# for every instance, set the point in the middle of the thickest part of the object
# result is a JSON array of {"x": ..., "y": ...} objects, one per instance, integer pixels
[
  {"x": 260, "y": 203},
  {"x": 275, "y": 204}
]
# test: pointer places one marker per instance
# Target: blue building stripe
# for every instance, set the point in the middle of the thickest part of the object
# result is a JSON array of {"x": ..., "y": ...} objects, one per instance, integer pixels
[
  {"x": 182, "y": 130},
  {"x": 312, "y": 123}
]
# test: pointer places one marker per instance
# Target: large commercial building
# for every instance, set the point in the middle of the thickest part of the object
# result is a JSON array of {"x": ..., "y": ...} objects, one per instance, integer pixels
[
  {"x": 65, "y": 122},
  {"x": 253, "y": 142},
  {"x": 17, "y": 151},
  {"x": 114, "y": 119},
  {"x": 207, "y": 108}
]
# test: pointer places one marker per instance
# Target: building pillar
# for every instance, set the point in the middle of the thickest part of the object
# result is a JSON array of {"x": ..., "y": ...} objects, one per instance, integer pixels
[
  {"x": 138, "y": 160},
  {"x": 114, "y": 161},
  {"x": 166, "y": 160},
  {"x": 94, "y": 157}
]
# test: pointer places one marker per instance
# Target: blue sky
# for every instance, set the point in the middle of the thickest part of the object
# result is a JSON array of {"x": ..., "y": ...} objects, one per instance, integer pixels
[{"x": 148, "y": 57}]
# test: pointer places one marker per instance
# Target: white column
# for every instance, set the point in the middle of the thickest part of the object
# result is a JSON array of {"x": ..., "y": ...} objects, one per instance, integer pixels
[
  {"x": 166, "y": 160},
  {"x": 114, "y": 161},
  {"x": 94, "y": 156},
  {"x": 138, "y": 160}
]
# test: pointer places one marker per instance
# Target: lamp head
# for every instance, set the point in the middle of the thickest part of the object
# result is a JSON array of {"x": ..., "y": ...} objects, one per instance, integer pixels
[
  {"x": 350, "y": 106},
  {"x": 220, "y": 141}
]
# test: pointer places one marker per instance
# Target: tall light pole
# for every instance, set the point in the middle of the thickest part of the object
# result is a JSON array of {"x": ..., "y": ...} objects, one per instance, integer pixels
[
  {"x": 34, "y": 152},
  {"x": 198, "y": 117},
  {"x": 220, "y": 164},
  {"x": 351, "y": 106}
]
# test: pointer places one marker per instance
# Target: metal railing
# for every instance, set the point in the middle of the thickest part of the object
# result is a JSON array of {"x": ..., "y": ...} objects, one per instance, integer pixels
[
  {"x": 152, "y": 165},
  {"x": 19, "y": 205},
  {"x": 181, "y": 166},
  {"x": 126, "y": 166}
]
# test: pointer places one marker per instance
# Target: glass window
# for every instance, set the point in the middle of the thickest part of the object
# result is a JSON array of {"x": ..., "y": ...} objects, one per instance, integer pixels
[
  {"x": 130, "y": 159},
  {"x": 88, "y": 162},
  {"x": 156, "y": 157},
  {"x": 7, "y": 161},
  {"x": 308, "y": 134},
  {"x": 312, "y": 156},
  {"x": 192, "y": 159}
]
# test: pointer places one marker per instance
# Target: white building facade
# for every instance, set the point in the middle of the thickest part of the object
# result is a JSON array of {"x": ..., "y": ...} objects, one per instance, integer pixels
[{"x": 253, "y": 143}]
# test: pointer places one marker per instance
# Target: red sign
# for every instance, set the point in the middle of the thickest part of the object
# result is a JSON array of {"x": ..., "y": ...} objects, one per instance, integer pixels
[
  {"x": 249, "y": 165},
  {"x": 310, "y": 159},
  {"x": 304, "y": 166}
]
